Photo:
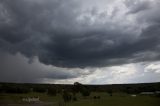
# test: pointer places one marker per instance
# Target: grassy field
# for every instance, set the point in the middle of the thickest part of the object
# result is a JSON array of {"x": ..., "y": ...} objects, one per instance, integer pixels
[{"x": 118, "y": 99}]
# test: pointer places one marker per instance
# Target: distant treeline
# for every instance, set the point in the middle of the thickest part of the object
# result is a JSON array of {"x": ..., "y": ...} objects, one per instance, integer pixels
[{"x": 53, "y": 89}]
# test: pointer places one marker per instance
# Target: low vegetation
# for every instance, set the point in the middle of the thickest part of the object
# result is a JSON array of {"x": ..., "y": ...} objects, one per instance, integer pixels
[{"x": 81, "y": 95}]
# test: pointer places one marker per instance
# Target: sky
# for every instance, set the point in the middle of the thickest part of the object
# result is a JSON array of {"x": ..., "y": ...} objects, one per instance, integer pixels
[{"x": 86, "y": 41}]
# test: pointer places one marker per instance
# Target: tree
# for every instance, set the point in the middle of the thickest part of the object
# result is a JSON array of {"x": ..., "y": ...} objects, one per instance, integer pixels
[
  {"x": 84, "y": 91},
  {"x": 67, "y": 97},
  {"x": 78, "y": 87}
]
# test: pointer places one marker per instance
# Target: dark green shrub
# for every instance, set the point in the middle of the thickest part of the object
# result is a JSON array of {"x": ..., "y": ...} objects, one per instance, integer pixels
[
  {"x": 67, "y": 97},
  {"x": 74, "y": 98},
  {"x": 110, "y": 92},
  {"x": 52, "y": 91},
  {"x": 39, "y": 89},
  {"x": 85, "y": 92}
]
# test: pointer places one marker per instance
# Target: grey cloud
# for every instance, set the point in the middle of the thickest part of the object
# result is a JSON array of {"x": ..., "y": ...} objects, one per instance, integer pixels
[
  {"x": 16, "y": 68},
  {"x": 137, "y": 6},
  {"x": 50, "y": 30}
]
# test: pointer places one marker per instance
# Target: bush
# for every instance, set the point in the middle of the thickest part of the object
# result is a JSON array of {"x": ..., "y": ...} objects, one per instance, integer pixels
[
  {"x": 52, "y": 91},
  {"x": 67, "y": 97},
  {"x": 85, "y": 92},
  {"x": 39, "y": 89},
  {"x": 74, "y": 98},
  {"x": 15, "y": 89},
  {"x": 96, "y": 97},
  {"x": 110, "y": 92},
  {"x": 1, "y": 88},
  {"x": 158, "y": 95}
]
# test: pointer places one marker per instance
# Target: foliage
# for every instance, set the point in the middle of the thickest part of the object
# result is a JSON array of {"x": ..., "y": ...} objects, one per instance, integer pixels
[
  {"x": 39, "y": 89},
  {"x": 110, "y": 92},
  {"x": 52, "y": 91},
  {"x": 84, "y": 91},
  {"x": 67, "y": 97},
  {"x": 15, "y": 89}
]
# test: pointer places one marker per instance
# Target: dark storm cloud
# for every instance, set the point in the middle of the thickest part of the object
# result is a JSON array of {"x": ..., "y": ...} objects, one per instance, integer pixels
[{"x": 51, "y": 31}]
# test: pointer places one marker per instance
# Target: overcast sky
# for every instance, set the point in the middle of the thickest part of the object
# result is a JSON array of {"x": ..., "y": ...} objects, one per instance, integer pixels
[{"x": 89, "y": 41}]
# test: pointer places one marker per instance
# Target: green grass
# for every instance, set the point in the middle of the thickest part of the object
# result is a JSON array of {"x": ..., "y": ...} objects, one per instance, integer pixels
[
  {"x": 17, "y": 98},
  {"x": 118, "y": 99}
]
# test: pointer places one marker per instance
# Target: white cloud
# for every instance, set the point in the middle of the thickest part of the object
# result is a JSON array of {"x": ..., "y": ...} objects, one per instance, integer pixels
[
  {"x": 153, "y": 67},
  {"x": 129, "y": 73}
]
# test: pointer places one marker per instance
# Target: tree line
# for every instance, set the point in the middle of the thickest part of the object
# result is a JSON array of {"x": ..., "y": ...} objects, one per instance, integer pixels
[{"x": 85, "y": 90}]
